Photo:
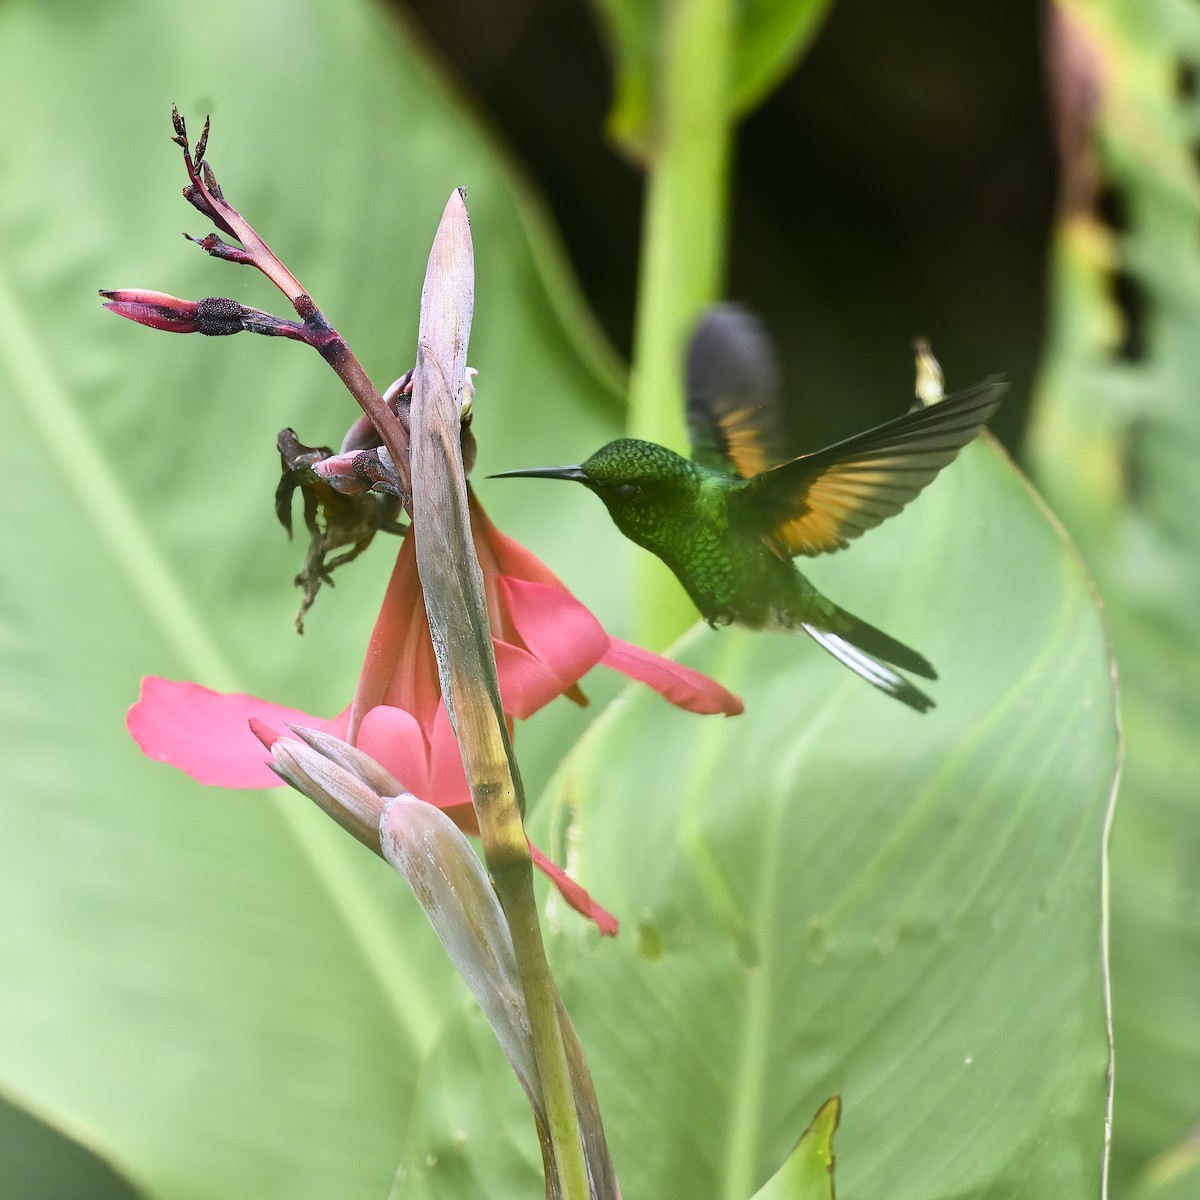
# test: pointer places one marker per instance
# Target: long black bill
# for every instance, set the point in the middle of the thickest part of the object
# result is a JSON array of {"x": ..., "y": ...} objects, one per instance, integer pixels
[{"x": 576, "y": 473}]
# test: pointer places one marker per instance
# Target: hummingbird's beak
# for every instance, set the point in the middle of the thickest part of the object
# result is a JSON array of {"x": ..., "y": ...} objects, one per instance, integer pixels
[{"x": 576, "y": 473}]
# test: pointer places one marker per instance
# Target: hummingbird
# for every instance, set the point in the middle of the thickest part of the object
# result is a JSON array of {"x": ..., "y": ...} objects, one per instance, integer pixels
[{"x": 729, "y": 520}]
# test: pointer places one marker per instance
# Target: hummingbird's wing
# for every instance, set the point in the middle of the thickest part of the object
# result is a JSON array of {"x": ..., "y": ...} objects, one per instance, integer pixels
[
  {"x": 732, "y": 387},
  {"x": 818, "y": 502}
]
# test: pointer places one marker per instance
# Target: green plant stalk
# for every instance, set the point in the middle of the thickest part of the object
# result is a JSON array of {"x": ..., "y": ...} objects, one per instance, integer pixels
[
  {"x": 513, "y": 880},
  {"x": 683, "y": 252},
  {"x": 452, "y": 581},
  {"x": 453, "y": 584},
  {"x": 498, "y": 794}
]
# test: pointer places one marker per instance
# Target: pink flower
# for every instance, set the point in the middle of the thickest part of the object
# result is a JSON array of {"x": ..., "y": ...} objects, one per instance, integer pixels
[{"x": 545, "y": 642}]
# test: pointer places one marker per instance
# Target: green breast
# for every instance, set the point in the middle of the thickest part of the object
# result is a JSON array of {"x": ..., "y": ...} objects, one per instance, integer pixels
[{"x": 728, "y": 576}]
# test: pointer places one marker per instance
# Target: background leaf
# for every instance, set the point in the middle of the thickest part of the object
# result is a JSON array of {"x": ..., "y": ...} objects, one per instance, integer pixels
[
  {"x": 220, "y": 993},
  {"x": 1114, "y": 442},
  {"x": 832, "y": 895},
  {"x": 42, "y": 1163},
  {"x": 768, "y": 37},
  {"x": 472, "y": 1134}
]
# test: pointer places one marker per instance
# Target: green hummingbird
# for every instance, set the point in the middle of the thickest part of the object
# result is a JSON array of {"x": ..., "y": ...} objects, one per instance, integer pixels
[{"x": 729, "y": 520}]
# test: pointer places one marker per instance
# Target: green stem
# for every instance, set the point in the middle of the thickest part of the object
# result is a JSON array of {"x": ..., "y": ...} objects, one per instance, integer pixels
[
  {"x": 683, "y": 251},
  {"x": 513, "y": 881}
]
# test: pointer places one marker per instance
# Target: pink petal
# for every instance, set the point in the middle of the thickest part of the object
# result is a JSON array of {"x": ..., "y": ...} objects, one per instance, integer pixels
[
  {"x": 526, "y": 683},
  {"x": 393, "y": 738},
  {"x": 555, "y": 627},
  {"x": 400, "y": 669},
  {"x": 679, "y": 684},
  {"x": 207, "y": 733},
  {"x": 573, "y": 894},
  {"x": 447, "y": 779},
  {"x": 501, "y": 555},
  {"x": 429, "y": 766}
]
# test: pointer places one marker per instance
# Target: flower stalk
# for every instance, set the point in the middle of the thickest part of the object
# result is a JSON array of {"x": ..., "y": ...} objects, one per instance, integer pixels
[
  {"x": 458, "y": 623},
  {"x": 217, "y": 315}
]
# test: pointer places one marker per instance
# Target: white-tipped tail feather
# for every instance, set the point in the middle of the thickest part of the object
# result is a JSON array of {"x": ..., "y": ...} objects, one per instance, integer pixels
[{"x": 874, "y": 672}]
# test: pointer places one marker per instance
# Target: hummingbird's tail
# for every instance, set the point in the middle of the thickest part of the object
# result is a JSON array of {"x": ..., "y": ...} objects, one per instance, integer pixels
[{"x": 856, "y": 642}]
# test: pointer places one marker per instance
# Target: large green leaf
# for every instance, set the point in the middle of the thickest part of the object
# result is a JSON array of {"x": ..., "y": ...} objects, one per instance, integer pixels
[
  {"x": 471, "y": 1134},
  {"x": 221, "y": 994},
  {"x": 833, "y": 894},
  {"x": 41, "y": 1163},
  {"x": 1116, "y": 441}
]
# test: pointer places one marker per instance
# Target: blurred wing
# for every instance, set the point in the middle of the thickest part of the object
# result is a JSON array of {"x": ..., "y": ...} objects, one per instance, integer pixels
[
  {"x": 818, "y": 502},
  {"x": 732, "y": 384}
]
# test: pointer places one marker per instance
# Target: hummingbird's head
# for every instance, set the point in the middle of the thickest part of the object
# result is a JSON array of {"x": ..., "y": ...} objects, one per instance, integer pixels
[{"x": 644, "y": 486}]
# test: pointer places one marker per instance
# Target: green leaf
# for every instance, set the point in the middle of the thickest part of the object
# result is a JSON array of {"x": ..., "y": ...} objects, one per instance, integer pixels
[
  {"x": 1116, "y": 436},
  {"x": 768, "y": 37},
  {"x": 472, "y": 1134},
  {"x": 1174, "y": 1174},
  {"x": 831, "y": 893},
  {"x": 228, "y": 995},
  {"x": 772, "y": 35},
  {"x": 808, "y": 1172},
  {"x": 41, "y": 1163}
]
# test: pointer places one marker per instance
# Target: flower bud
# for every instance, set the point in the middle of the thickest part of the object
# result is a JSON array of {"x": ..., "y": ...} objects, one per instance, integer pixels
[
  {"x": 334, "y": 776},
  {"x": 156, "y": 309},
  {"x": 358, "y": 472},
  {"x": 450, "y": 884}
]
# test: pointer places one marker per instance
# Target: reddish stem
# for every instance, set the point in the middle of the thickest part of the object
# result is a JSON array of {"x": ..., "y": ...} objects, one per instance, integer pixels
[{"x": 204, "y": 193}]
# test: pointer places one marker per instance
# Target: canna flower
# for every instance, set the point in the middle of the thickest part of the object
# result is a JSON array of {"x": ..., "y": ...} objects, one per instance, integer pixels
[
  {"x": 544, "y": 639},
  {"x": 545, "y": 642}
]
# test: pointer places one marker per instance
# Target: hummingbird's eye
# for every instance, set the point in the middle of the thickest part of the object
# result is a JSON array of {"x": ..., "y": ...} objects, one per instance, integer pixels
[{"x": 626, "y": 491}]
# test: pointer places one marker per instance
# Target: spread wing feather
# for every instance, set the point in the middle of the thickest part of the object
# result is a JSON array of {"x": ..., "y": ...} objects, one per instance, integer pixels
[
  {"x": 818, "y": 502},
  {"x": 732, "y": 385}
]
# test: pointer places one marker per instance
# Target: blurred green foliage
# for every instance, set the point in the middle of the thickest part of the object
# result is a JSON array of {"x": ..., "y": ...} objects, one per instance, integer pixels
[
  {"x": 766, "y": 38},
  {"x": 1114, "y": 443}
]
